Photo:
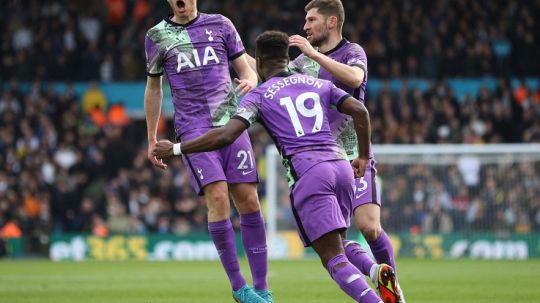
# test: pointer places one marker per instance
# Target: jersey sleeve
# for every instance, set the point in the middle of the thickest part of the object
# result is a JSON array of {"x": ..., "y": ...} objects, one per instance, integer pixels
[
  {"x": 295, "y": 66},
  {"x": 337, "y": 96},
  {"x": 235, "y": 47},
  {"x": 356, "y": 56},
  {"x": 154, "y": 60},
  {"x": 249, "y": 108}
]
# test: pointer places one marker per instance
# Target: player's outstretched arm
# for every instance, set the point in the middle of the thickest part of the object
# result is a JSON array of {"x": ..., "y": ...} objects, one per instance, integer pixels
[
  {"x": 362, "y": 126},
  {"x": 352, "y": 76},
  {"x": 211, "y": 140},
  {"x": 153, "y": 95},
  {"x": 252, "y": 63},
  {"x": 247, "y": 77}
]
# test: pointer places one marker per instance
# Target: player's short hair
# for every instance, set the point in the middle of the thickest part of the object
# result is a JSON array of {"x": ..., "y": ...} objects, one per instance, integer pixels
[
  {"x": 329, "y": 8},
  {"x": 272, "y": 45}
]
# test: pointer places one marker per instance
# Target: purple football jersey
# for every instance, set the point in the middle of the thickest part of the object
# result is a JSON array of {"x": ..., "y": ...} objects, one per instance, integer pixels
[
  {"x": 195, "y": 57},
  {"x": 294, "y": 109},
  {"x": 341, "y": 125}
]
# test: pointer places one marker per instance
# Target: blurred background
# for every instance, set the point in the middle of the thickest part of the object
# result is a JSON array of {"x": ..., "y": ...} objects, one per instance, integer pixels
[{"x": 75, "y": 182}]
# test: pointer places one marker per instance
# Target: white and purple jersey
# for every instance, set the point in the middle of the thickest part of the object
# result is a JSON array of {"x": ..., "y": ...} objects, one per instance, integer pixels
[
  {"x": 195, "y": 57},
  {"x": 341, "y": 125},
  {"x": 294, "y": 109}
]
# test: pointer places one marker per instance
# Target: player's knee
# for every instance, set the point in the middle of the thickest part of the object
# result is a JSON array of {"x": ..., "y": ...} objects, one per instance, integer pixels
[
  {"x": 327, "y": 250},
  {"x": 326, "y": 257},
  {"x": 249, "y": 205},
  {"x": 247, "y": 201},
  {"x": 218, "y": 206},
  {"x": 371, "y": 232}
]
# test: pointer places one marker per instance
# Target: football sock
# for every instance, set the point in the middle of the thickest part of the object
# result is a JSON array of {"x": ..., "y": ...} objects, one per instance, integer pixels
[
  {"x": 222, "y": 234},
  {"x": 350, "y": 280},
  {"x": 373, "y": 272},
  {"x": 382, "y": 250},
  {"x": 254, "y": 241},
  {"x": 358, "y": 257}
]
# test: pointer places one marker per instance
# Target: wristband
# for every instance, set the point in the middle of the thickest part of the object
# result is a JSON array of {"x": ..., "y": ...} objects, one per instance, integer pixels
[{"x": 177, "y": 151}]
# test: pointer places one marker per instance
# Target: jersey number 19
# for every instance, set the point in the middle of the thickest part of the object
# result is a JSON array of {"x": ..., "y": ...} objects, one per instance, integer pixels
[{"x": 299, "y": 107}]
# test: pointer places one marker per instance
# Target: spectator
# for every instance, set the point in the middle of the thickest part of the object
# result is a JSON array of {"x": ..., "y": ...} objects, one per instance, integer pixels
[
  {"x": 440, "y": 197},
  {"x": 90, "y": 27},
  {"x": 99, "y": 228},
  {"x": 94, "y": 98},
  {"x": 117, "y": 115},
  {"x": 141, "y": 10},
  {"x": 461, "y": 203},
  {"x": 437, "y": 221},
  {"x": 22, "y": 38},
  {"x": 107, "y": 69},
  {"x": 117, "y": 12},
  {"x": 10, "y": 229},
  {"x": 118, "y": 220}
]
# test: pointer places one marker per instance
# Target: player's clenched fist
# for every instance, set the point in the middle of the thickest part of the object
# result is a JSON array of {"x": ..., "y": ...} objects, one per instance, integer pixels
[
  {"x": 359, "y": 166},
  {"x": 163, "y": 149},
  {"x": 243, "y": 86},
  {"x": 156, "y": 162}
]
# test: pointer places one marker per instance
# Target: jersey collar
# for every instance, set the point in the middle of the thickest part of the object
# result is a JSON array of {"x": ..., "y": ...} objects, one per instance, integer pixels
[
  {"x": 168, "y": 20},
  {"x": 283, "y": 74},
  {"x": 338, "y": 46}
]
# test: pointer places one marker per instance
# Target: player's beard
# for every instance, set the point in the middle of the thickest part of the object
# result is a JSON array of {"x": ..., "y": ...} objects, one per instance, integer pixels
[{"x": 317, "y": 40}]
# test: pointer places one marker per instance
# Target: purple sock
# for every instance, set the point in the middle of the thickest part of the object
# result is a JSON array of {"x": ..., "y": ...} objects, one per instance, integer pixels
[
  {"x": 351, "y": 281},
  {"x": 223, "y": 236},
  {"x": 382, "y": 250},
  {"x": 358, "y": 256},
  {"x": 254, "y": 240}
]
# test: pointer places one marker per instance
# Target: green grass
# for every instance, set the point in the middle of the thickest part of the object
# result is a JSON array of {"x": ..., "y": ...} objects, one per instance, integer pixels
[{"x": 291, "y": 281}]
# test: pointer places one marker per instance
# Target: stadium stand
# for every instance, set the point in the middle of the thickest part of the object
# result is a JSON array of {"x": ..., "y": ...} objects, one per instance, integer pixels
[
  {"x": 435, "y": 39},
  {"x": 57, "y": 156}
]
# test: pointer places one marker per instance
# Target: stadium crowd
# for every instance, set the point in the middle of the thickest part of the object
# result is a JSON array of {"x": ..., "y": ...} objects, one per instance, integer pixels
[
  {"x": 63, "y": 170},
  {"x": 440, "y": 199},
  {"x": 67, "y": 168},
  {"x": 101, "y": 40}
]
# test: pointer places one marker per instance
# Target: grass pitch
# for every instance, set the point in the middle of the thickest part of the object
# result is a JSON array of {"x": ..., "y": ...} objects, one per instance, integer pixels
[{"x": 291, "y": 281}]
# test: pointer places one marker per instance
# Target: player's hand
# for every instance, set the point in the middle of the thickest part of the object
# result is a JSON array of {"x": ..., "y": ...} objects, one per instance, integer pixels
[
  {"x": 156, "y": 162},
  {"x": 303, "y": 44},
  {"x": 163, "y": 150},
  {"x": 359, "y": 167},
  {"x": 243, "y": 86}
]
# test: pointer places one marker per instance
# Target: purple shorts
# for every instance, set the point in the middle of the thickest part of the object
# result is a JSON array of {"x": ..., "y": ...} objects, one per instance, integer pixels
[
  {"x": 321, "y": 199},
  {"x": 367, "y": 189},
  {"x": 234, "y": 163}
]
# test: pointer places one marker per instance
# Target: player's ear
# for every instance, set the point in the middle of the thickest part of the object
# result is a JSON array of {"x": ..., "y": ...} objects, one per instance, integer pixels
[
  {"x": 258, "y": 65},
  {"x": 331, "y": 22}
]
